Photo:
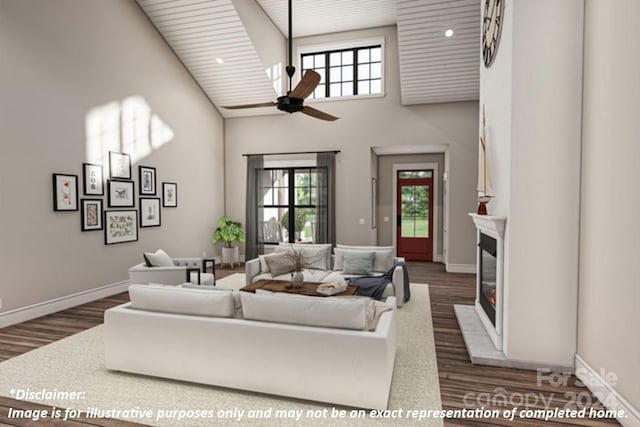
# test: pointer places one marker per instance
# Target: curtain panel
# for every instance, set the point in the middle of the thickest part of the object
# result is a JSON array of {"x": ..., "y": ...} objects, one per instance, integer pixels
[
  {"x": 325, "y": 230},
  {"x": 254, "y": 210}
]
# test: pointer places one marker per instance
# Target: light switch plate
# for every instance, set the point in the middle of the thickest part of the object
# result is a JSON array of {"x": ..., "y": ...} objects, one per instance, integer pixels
[
  {"x": 361, "y": 221},
  {"x": 386, "y": 219}
]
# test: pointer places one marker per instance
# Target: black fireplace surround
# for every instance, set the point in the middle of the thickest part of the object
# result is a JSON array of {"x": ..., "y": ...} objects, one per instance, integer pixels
[{"x": 488, "y": 260}]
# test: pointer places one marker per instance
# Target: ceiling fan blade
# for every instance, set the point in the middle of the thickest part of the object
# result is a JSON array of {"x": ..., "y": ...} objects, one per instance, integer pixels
[
  {"x": 306, "y": 86},
  {"x": 310, "y": 111},
  {"x": 238, "y": 107}
]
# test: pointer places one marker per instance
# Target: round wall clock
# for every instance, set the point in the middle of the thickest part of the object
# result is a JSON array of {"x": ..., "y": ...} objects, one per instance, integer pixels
[{"x": 491, "y": 29}]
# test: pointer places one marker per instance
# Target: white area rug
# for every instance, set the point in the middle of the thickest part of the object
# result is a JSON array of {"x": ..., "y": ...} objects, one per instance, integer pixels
[
  {"x": 76, "y": 364},
  {"x": 233, "y": 281}
]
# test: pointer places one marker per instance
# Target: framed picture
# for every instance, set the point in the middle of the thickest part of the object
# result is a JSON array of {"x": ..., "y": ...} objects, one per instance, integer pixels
[
  {"x": 120, "y": 226},
  {"x": 93, "y": 184},
  {"x": 169, "y": 194},
  {"x": 120, "y": 193},
  {"x": 147, "y": 176},
  {"x": 91, "y": 214},
  {"x": 119, "y": 165},
  {"x": 65, "y": 192},
  {"x": 149, "y": 211}
]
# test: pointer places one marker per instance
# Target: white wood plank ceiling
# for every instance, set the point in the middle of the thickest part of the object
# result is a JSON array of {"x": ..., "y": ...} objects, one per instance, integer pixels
[
  {"x": 313, "y": 17},
  {"x": 199, "y": 31},
  {"x": 434, "y": 68}
]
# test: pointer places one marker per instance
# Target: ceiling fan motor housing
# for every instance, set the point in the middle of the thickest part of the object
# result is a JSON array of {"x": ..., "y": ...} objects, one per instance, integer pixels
[{"x": 288, "y": 104}]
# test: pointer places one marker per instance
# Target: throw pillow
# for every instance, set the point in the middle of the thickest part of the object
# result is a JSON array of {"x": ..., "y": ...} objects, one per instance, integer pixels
[
  {"x": 264, "y": 267},
  {"x": 382, "y": 261},
  {"x": 279, "y": 264},
  {"x": 315, "y": 256},
  {"x": 158, "y": 258},
  {"x": 357, "y": 262}
]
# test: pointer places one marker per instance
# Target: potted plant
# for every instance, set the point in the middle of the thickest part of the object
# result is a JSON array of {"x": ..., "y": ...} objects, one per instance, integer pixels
[{"x": 228, "y": 232}]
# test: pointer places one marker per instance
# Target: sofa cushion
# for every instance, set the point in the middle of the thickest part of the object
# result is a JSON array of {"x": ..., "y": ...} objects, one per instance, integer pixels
[
  {"x": 316, "y": 256},
  {"x": 158, "y": 258},
  {"x": 357, "y": 262},
  {"x": 181, "y": 300},
  {"x": 382, "y": 262},
  {"x": 279, "y": 263},
  {"x": 328, "y": 312}
]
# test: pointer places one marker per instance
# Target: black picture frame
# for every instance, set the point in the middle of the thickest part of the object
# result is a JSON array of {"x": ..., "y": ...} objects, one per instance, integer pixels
[
  {"x": 91, "y": 214},
  {"x": 169, "y": 195},
  {"x": 150, "y": 212},
  {"x": 119, "y": 165},
  {"x": 147, "y": 180},
  {"x": 120, "y": 226},
  {"x": 120, "y": 193},
  {"x": 65, "y": 192},
  {"x": 92, "y": 179}
]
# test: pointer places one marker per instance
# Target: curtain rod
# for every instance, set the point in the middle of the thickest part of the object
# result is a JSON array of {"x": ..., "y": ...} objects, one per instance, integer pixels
[{"x": 292, "y": 152}]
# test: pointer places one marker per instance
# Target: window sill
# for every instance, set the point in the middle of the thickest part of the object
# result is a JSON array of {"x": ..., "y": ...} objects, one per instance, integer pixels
[{"x": 344, "y": 98}]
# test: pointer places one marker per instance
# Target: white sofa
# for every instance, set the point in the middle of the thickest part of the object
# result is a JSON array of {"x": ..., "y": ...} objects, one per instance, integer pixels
[
  {"x": 253, "y": 273},
  {"x": 173, "y": 275},
  {"x": 339, "y": 366}
]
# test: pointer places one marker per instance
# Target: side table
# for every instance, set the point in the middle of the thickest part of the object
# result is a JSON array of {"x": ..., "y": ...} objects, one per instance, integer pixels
[{"x": 211, "y": 261}]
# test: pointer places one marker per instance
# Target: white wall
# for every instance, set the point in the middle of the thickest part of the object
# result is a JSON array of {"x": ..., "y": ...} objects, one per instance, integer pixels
[
  {"x": 609, "y": 320},
  {"x": 65, "y": 63},
  {"x": 537, "y": 173},
  {"x": 365, "y": 123}
]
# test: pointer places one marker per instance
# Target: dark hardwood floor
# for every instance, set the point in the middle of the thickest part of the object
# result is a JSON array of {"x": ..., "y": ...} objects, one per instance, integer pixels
[{"x": 462, "y": 385}]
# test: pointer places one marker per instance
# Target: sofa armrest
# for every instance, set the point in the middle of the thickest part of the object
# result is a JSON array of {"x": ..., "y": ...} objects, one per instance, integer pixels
[
  {"x": 166, "y": 275},
  {"x": 251, "y": 270},
  {"x": 397, "y": 279}
]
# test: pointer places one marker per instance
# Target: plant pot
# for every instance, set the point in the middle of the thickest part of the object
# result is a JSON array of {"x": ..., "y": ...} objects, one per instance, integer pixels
[{"x": 231, "y": 255}]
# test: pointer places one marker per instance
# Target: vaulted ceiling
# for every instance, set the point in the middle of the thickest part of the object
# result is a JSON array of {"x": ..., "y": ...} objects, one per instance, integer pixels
[{"x": 229, "y": 46}]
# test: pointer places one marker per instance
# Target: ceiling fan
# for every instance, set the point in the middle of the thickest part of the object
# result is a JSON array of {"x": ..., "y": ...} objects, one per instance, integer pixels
[{"x": 293, "y": 101}]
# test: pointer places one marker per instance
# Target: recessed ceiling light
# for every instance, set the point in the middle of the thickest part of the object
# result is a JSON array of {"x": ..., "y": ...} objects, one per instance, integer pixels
[
  {"x": 219, "y": 60},
  {"x": 448, "y": 33}
]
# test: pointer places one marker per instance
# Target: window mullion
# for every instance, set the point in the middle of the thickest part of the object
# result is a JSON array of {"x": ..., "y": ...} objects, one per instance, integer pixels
[
  {"x": 292, "y": 200},
  {"x": 326, "y": 74},
  {"x": 355, "y": 71}
]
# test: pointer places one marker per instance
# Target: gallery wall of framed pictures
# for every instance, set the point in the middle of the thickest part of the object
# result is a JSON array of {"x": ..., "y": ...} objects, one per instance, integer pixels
[{"x": 119, "y": 225}]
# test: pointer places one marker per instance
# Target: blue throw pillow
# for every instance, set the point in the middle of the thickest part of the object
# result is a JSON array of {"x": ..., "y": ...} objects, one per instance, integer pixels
[{"x": 357, "y": 262}]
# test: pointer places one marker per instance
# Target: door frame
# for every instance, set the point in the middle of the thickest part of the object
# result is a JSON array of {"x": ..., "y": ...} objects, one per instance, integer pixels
[{"x": 437, "y": 256}]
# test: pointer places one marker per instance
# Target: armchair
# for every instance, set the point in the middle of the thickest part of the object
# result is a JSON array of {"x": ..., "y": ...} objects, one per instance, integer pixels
[{"x": 175, "y": 274}]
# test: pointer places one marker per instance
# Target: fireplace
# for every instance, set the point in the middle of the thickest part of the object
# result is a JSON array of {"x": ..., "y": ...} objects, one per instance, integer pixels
[
  {"x": 489, "y": 275},
  {"x": 487, "y": 258}
]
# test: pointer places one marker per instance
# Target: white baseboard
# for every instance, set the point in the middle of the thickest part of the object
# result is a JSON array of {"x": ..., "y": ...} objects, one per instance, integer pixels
[
  {"x": 609, "y": 397},
  {"x": 460, "y": 268},
  {"x": 23, "y": 314}
]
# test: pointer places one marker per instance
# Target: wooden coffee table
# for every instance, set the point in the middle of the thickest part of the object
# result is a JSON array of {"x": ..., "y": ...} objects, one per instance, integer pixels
[{"x": 308, "y": 288}]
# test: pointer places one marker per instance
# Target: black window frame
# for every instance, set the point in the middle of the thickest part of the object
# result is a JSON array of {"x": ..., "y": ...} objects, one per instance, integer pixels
[
  {"x": 327, "y": 70},
  {"x": 291, "y": 202}
]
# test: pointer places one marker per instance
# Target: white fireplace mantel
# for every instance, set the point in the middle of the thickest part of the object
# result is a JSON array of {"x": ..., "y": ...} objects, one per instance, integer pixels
[{"x": 490, "y": 223}]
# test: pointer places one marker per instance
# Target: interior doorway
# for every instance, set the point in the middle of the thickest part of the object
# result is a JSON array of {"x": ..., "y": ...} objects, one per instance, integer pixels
[{"x": 414, "y": 218}]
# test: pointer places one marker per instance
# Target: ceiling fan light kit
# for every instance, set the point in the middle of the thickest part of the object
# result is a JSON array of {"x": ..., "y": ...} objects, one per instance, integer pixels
[{"x": 293, "y": 101}]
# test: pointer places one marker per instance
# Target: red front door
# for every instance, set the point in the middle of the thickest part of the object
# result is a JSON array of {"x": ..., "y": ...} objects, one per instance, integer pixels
[{"x": 415, "y": 214}]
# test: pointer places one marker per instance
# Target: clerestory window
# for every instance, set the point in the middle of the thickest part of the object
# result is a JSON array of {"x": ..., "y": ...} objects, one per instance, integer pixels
[{"x": 346, "y": 72}]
